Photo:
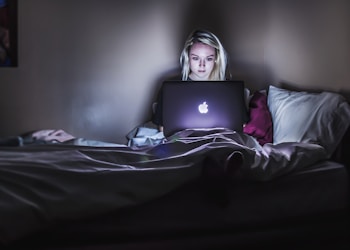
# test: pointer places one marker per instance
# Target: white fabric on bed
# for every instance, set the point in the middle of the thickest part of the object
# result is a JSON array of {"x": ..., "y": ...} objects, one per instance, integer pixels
[
  {"x": 44, "y": 184},
  {"x": 321, "y": 118},
  {"x": 52, "y": 135}
]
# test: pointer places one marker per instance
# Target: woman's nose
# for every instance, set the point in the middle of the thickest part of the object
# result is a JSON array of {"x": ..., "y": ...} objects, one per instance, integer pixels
[{"x": 201, "y": 63}]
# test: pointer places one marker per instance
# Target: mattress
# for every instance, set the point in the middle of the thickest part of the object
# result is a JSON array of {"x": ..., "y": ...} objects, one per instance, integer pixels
[{"x": 320, "y": 191}]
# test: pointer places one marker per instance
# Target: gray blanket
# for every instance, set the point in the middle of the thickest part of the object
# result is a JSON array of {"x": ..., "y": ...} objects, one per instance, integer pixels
[{"x": 44, "y": 184}]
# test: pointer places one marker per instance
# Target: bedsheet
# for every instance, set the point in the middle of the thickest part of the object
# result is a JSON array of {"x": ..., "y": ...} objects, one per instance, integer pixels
[{"x": 44, "y": 184}]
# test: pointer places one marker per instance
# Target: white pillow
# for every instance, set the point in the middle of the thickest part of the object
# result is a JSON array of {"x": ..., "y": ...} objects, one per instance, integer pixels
[{"x": 320, "y": 118}]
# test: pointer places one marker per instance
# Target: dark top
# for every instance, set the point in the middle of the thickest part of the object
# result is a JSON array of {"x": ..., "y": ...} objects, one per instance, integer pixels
[{"x": 158, "y": 112}]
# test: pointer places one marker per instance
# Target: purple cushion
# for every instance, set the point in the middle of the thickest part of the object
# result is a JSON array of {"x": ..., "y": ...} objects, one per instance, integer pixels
[{"x": 260, "y": 123}]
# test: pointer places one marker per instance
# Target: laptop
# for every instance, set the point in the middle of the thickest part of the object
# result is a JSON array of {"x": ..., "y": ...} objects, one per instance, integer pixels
[{"x": 202, "y": 104}]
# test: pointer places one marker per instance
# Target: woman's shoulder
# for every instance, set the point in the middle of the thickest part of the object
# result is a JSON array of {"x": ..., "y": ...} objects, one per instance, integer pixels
[{"x": 174, "y": 78}]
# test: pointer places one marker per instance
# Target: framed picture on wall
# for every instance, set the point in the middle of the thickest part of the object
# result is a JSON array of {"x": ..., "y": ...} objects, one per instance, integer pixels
[{"x": 8, "y": 33}]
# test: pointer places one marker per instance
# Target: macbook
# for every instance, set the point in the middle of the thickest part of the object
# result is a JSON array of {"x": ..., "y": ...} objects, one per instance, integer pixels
[{"x": 203, "y": 104}]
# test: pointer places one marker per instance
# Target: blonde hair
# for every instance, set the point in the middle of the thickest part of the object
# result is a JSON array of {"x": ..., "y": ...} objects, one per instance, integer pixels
[{"x": 206, "y": 37}]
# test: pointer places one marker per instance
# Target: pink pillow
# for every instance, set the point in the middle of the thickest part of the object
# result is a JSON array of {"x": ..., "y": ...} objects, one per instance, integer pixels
[{"x": 260, "y": 123}]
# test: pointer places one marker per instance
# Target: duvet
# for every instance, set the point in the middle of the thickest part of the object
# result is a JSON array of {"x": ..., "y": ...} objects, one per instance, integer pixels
[{"x": 41, "y": 185}]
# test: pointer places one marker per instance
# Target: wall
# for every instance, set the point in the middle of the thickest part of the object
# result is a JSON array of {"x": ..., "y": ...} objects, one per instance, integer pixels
[
  {"x": 308, "y": 44},
  {"x": 93, "y": 67}
]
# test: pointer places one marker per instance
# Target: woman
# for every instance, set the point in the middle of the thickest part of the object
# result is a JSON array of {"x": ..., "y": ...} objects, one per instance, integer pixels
[{"x": 203, "y": 58}]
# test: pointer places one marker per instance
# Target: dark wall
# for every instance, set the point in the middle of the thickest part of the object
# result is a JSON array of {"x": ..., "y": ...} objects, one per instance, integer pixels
[{"x": 308, "y": 43}]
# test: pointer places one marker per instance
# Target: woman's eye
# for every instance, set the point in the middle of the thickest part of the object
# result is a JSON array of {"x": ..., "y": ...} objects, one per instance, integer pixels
[
  {"x": 194, "y": 58},
  {"x": 209, "y": 59}
]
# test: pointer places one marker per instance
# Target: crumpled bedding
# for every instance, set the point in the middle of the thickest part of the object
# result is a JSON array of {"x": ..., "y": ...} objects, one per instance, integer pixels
[{"x": 45, "y": 184}]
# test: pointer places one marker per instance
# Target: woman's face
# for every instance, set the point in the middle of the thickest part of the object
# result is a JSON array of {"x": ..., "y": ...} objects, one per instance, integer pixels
[{"x": 202, "y": 61}]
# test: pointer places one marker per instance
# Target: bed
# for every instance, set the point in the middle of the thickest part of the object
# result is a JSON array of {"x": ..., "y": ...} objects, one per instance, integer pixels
[{"x": 292, "y": 190}]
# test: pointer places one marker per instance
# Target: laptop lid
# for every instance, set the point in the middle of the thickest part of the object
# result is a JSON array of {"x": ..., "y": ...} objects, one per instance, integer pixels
[{"x": 202, "y": 104}]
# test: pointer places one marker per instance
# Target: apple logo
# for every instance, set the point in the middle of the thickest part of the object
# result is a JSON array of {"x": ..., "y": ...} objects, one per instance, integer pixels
[{"x": 203, "y": 108}]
